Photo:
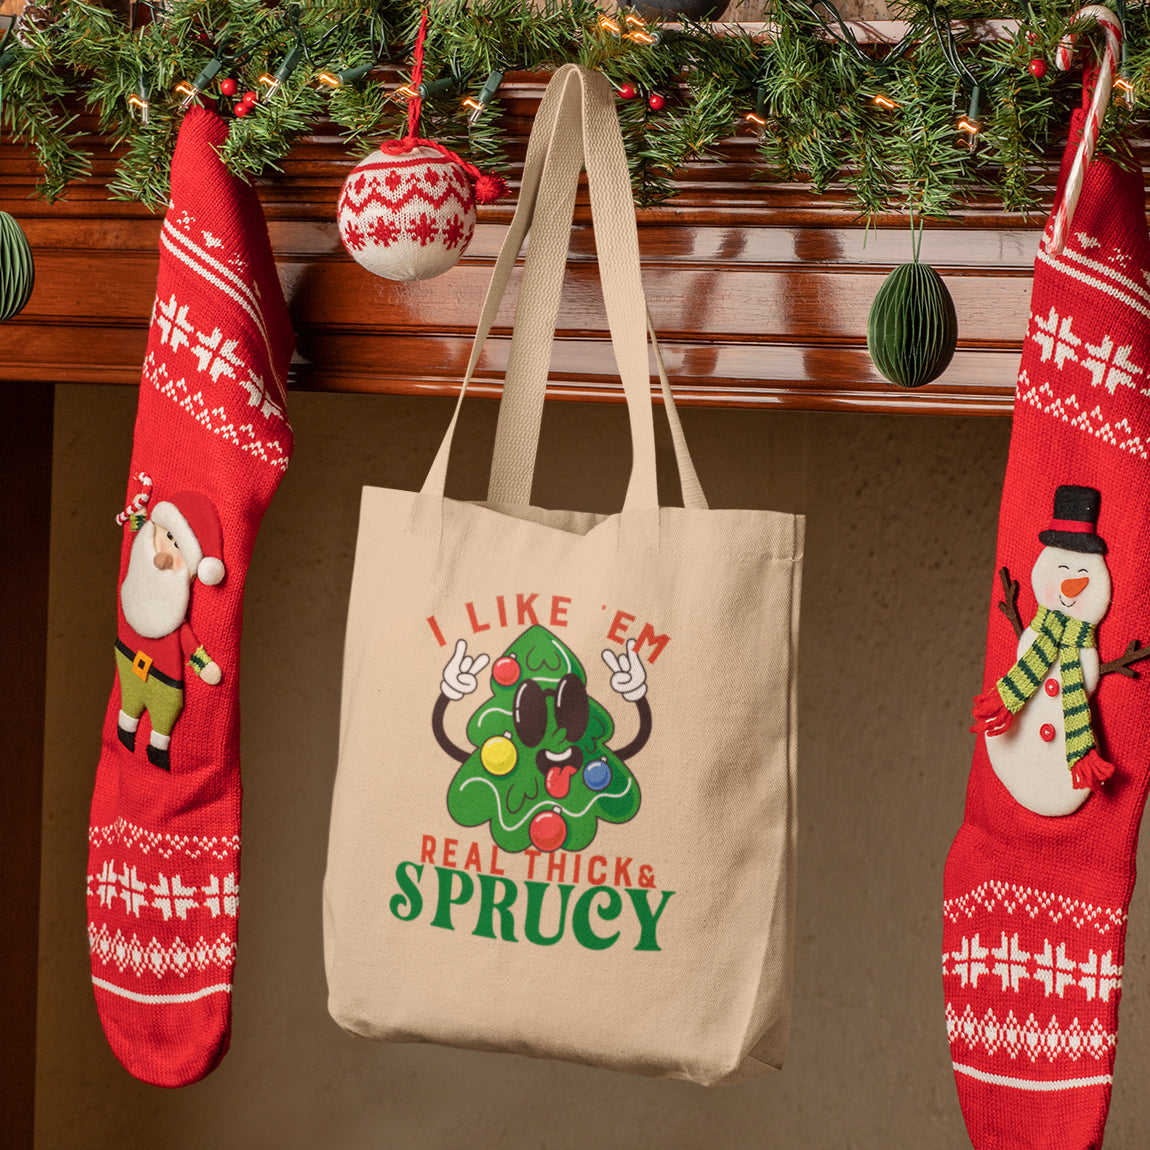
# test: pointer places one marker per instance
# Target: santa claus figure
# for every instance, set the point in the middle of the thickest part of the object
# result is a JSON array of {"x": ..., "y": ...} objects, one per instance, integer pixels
[{"x": 178, "y": 543}]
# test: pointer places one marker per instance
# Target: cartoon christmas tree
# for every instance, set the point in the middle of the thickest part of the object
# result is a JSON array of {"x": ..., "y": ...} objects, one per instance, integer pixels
[{"x": 540, "y": 771}]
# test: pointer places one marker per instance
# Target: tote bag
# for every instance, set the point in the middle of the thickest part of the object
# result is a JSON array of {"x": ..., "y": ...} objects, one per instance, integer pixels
[{"x": 564, "y": 813}]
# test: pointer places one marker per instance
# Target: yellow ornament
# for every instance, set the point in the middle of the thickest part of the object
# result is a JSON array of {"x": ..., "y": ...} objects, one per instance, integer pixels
[{"x": 498, "y": 755}]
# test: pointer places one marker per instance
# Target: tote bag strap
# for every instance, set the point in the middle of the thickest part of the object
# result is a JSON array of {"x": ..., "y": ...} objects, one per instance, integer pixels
[
  {"x": 538, "y": 148},
  {"x": 559, "y": 145},
  {"x": 521, "y": 409}
]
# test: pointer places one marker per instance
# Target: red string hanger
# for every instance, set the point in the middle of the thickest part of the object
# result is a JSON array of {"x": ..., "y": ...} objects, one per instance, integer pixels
[{"x": 488, "y": 188}]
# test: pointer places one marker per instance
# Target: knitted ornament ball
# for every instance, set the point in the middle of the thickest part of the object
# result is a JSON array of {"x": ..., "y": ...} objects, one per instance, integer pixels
[{"x": 407, "y": 215}]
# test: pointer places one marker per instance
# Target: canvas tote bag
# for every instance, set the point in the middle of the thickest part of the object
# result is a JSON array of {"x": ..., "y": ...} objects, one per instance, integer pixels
[{"x": 564, "y": 813}]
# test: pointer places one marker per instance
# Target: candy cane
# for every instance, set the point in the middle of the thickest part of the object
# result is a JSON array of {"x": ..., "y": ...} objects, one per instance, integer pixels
[
  {"x": 1106, "y": 73},
  {"x": 139, "y": 503}
]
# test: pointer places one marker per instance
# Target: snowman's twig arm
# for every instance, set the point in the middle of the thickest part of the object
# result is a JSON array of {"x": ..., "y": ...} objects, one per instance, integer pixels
[
  {"x": 1009, "y": 605},
  {"x": 441, "y": 732},
  {"x": 640, "y": 740},
  {"x": 1134, "y": 651}
]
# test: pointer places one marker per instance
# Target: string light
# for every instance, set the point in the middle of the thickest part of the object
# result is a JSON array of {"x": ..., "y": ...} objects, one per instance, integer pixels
[
  {"x": 756, "y": 119},
  {"x": 969, "y": 123},
  {"x": 206, "y": 76},
  {"x": 138, "y": 100},
  {"x": 609, "y": 25},
  {"x": 348, "y": 76},
  {"x": 290, "y": 63},
  {"x": 486, "y": 93},
  {"x": 445, "y": 83},
  {"x": 884, "y": 102}
]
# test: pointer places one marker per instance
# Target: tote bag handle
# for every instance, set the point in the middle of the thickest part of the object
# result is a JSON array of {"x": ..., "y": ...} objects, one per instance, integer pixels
[
  {"x": 521, "y": 410},
  {"x": 576, "y": 124}
]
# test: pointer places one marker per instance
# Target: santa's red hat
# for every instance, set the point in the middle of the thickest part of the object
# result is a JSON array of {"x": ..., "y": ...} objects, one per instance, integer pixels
[{"x": 195, "y": 525}]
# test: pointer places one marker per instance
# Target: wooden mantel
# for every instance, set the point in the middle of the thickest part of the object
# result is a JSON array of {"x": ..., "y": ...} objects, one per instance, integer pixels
[{"x": 760, "y": 291}]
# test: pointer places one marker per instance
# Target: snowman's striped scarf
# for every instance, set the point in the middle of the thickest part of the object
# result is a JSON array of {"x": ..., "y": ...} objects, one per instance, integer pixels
[{"x": 1059, "y": 637}]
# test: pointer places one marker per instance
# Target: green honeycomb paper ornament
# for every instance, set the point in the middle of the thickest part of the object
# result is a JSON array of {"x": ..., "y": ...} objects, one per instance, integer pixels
[
  {"x": 912, "y": 329},
  {"x": 17, "y": 271},
  {"x": 541, "y": 772}
]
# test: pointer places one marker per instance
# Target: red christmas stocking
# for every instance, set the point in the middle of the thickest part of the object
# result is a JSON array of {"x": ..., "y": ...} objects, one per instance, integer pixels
[
  {"x": 1039, "y": 878},
  {"x": 212, "y": 441}
]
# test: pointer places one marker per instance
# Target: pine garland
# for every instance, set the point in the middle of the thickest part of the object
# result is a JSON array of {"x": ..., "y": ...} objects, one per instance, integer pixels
[{"x": 813, "y": 91}]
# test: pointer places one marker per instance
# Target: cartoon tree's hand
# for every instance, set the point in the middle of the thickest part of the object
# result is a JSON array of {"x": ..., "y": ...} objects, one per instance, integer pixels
[
  {"x": 211, "y": 674},
  {"x": 628, "y": 675},
  {"x": 459, "y": 676}
]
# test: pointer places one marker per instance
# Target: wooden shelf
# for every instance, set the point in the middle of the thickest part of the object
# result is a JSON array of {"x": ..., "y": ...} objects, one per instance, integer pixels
[{"x": 760, "y": 291}]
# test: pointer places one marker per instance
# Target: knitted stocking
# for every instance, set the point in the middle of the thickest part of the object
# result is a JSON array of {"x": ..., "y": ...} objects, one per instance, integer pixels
[
  {"x": 211, "y": 443},
  {"x": 1039, "y": 878}
]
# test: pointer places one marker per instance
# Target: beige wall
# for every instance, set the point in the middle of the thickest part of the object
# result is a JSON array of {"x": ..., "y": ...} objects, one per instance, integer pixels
[{"x": 900, "y": 537}]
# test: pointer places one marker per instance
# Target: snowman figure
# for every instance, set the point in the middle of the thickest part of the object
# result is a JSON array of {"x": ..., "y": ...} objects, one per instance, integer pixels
[{"x": 1037, "y": 718}]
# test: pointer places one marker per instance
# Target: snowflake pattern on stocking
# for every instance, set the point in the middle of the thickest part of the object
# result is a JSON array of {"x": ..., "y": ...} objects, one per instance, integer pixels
[
  {"x": 1054, "y": 337},
  {"x": 1087, "y": 372},
  {"x": 206, "y": 349},
  {"x": 1110, "y": 367}
]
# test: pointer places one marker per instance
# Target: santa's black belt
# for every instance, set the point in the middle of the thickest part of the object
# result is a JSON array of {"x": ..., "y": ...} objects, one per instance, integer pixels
[{"x": 142, "y": 666}]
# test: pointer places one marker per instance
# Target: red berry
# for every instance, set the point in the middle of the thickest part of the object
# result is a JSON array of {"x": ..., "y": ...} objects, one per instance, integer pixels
[
  {"x": 1037, "y": 68},
  {"x": 505, "y": 671},
  {"x": 228, "y": 87},
  {"x": 548, "y": 830},
  {"x": 655, "y": 102},
  {"x": 626, "y": 91},
  {"x": 251, "y": 98},
  {"x": 242, "y": 110}
]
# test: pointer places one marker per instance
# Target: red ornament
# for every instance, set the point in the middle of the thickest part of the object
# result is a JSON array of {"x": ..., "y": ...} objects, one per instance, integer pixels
[
  {"x": 228, "y": 87},
  {"x": 241, "y": 110},
  {"x": 505, "y": 671},
  {"x": 548, "y": 830},
  {"x": 626, "y": 91},
  {"x": 656, "y": 102},
  {"x": 251, "y": 98},
  {"x": 1037, "y": 68}
]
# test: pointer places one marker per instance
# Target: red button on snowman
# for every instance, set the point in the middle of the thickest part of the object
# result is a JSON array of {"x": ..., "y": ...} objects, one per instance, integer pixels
[{"x": 1037, "y": 718}]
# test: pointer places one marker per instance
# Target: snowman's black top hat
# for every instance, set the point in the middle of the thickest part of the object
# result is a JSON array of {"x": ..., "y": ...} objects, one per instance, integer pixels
[{"x": 1075, "y": 523}]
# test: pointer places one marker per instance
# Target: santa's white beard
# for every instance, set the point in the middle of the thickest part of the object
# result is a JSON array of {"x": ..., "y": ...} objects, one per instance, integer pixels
[{"x": 155, "y": 602}]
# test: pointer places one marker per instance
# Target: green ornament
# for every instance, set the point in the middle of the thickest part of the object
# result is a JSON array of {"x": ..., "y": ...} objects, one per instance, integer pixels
[
  {"x": 17, "y": 273},
  {"x": 912, "y": 329}
]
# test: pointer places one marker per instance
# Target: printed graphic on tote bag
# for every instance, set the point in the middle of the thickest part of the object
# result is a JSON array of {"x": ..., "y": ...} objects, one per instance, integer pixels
[{"x": 540, "y": 771}]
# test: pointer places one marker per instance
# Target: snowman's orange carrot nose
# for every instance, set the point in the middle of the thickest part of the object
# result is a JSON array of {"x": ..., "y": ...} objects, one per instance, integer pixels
[{"x": 1073, "y": 587}]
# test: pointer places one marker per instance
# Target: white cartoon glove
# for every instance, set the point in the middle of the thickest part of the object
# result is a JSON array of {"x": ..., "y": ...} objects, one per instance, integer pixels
[
  {"x": 628, "y": 675},
  {"x": 459, "y": 676}
]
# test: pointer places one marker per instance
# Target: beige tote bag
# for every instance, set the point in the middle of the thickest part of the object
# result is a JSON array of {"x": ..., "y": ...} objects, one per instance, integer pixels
[{"x": 564, "y": 814}]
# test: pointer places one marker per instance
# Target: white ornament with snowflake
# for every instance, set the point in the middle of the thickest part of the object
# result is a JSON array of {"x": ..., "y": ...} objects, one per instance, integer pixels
[{"x": 407, "y": 216}]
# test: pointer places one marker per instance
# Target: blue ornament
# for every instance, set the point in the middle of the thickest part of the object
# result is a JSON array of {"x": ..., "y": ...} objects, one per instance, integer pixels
[{"x": 597, "y": 775}]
